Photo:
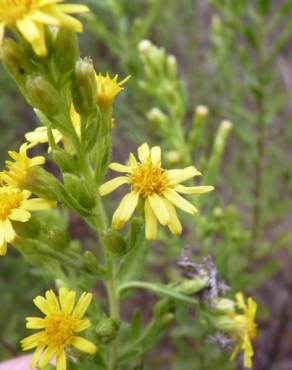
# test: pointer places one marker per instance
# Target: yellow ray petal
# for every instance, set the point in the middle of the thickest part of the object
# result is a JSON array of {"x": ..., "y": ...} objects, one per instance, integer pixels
[
  {"x": 37, "y": 204},
  {"x": 20, "y": 215},
  {"x": 34, "y": 33},
  {"x": 150, "y": 222},
  {"x": 118, "y": 167},
  {"x": 155, "y": 154},
  {"x": 179, "y": 201},
  {"x": 35, "y": 323},
  {"x": 112, "y": 185},
  {"x": 67, "y": 299},
  {"x": 143, "y": 152},
  {"x": 9, "y": 232},
  {"x": 125, "y": 209},
  {"x": 193, "y": 189},
  {"x": 61, "y": 361},
  {"x": 177, "y": 176},
  {"x": 159, "y": 209},
  {"x": 84, "y": 345},
  {"x": 174, "y": 225},
  {"x": 82, "y": 305}
]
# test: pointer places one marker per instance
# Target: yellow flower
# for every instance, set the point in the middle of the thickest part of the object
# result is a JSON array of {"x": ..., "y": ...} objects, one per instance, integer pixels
[
  {"x": 30, "y": 17},
  {"x": 40, "y": 134},
  {"x": 108, "y": 88},
  {"x": 158, "y": 188},
  {"x": 247, "y": 329},
  {"x": 63, "y": 319},
  {"x": 15, "y": 205},
  {"x": 18, "y": 171}
]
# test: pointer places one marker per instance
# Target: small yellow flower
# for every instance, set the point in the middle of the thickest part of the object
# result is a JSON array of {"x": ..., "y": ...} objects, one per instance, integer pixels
[
  {"x": 30, "y": 17},
  {"x": 247, "y": 329},
  {"x": 158, "y": 188},
  {"x": 18, "y": 171},
  {"x": 63, "y": 319},
  {"x": 15, "y": 205},
  {"x": 108, "y": 88},
  {"x": 40, "y": 134}
]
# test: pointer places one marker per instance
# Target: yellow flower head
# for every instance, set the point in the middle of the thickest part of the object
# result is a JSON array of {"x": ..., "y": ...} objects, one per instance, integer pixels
[
  {"x": 19, "y": 170},
  {"x": 40, "y": 134},
  {"x": 108, "y": 88},
  {"x": 63, "y": 319},
  {"x": 30, "y": 17},
  {"x": 247, "y": 329},
  {"x": 158, "y": 188},
  {"x": 15, "y": 205}
]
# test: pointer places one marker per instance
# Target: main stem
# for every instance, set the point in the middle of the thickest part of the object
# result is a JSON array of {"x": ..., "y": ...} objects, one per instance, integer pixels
[{"x": 111, "y": 285}]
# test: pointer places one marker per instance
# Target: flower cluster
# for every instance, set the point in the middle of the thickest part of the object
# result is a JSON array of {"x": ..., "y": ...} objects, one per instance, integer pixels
[
  {"x": 158, "y": 189},
  {"x": 16, "y": 203},
  {"x": 63, "y": 320},
  {"x": 237, "y": 319}
]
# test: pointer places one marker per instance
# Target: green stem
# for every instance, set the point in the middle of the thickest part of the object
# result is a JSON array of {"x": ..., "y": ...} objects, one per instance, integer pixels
[{"x": 101, "y": 224}]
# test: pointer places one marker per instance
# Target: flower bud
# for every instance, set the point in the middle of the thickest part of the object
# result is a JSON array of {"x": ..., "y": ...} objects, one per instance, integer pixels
[
  {"x": 66, "y": 50},
  {"x": 43, "y": 95},
  {"x": 193, "y": 286},
  {"x": 27, "y": 230},
  {"x": 115, "y": 242},
  {"x": 84, "y": 88},
  {"x": 78, "y": 188},
  {"x": 91, "y": 265},
  {"x": 171, "y": 66},
  {"x": 173, "y": 156},
  {"x": 41, "y": 183},
  {"x": 55, "y": 238},
  {"x": 224, "y": 305},
  {"x": 107, "y": 329},
  {"x": 164, "y": 306},
  {"x": 145, "y": 46},
  {"x": 15, "y": 61},
  {"x": 157, "y": 117},
  {"x": 66, "y": 162},
  {"x": 166, "y": 320}
]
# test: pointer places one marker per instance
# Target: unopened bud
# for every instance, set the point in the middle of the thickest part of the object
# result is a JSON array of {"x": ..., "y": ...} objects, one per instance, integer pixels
[
  {"x": 84, "y": 88},
  {"x": 78, "y": 188},
  {"x": 43, "y": 95},
  {"x": 115, "y": 242},
  {"x": 171, "y": 66},
  {"x": 91, "y": 265},
  {"x": 173, "y": 156},
  {"x": 107, "y": 329},
  {"x": 193, "y": 286},
  {"x": 27, "y": 230},
  {"x": 156, "y": 116},
  {"x": 224, "y": 305},
  {"x": 164, "y": 306},
  {"x": 67, "y": 162},
  {"x": 145, "y": 46},
  {"x": 66, "y": 49},
  {"x": 55, "y": 238},
  {"x": 41, "y": 183},
  {"x": 15, "y": 61}
]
